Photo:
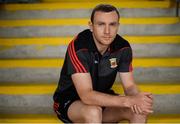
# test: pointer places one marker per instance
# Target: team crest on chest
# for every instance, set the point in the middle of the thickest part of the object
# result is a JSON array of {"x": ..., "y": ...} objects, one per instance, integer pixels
[{"x": 113, "y": 62}]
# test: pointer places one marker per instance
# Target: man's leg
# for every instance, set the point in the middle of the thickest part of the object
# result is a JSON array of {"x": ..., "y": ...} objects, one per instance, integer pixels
[
  {"x": 80, "y": 112},
  {"x": 114, "y": 114}
]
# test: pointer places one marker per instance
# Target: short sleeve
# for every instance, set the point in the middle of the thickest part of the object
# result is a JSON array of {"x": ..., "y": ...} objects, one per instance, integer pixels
[
  {"x": 76, "y": 62},
  {"x": 125, "y": 62}
]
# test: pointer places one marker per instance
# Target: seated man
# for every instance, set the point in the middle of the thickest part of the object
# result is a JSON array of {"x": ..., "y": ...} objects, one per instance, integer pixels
[{"x": 93, "y": 59}]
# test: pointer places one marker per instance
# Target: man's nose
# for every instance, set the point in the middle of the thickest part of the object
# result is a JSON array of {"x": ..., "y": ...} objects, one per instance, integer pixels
[{"x": 107, "y": 29}]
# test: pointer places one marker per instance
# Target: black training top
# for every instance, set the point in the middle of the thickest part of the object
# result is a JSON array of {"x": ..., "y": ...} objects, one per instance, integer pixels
[{"x": 82, "y": 56}]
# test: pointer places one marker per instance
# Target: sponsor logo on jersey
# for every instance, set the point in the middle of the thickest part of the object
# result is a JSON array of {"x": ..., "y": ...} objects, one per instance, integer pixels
[{"x": 113, "y": 62}]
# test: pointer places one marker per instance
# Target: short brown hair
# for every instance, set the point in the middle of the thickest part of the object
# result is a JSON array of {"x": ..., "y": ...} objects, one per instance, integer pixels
[{"x": 104, "y": 8}]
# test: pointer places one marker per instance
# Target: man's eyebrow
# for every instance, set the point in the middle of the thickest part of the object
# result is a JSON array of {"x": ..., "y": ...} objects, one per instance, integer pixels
[
  {"x": 113, "y": 22},
  {"x": 105, "y": 22}
]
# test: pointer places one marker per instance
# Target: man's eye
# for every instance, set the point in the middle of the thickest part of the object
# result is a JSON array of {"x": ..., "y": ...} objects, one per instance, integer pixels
[
  {"x": 113, "y": 24},
  {"x": 100, "y": 24}
]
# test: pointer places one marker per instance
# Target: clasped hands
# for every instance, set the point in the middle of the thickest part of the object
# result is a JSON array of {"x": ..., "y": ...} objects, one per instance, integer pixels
[{"x": 142, "y": 103}]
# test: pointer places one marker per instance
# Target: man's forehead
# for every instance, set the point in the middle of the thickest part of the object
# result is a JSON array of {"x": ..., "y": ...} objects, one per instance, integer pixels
[{"x": 106, "y": 16}]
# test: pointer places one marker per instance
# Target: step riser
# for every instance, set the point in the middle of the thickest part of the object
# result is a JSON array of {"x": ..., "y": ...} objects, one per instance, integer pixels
[
  {"x": 84, "y": 13},
  {"x": 155, "y": 75},
  {"x": 84, "y": 21},
  {"x": 48, "y": 75},
  {"x": 29, "y": 75},
  {"x": 42, "y": 104},
  {"x": 156, "y": 50},
  {"x": 150, "y": 29},
  {"x": 73, "y": 30},
  {"x": 49, "y": 51},
  {"x": 30, "y": 51},
  {"x": 167, "y": 104},
  {"x": 26, "y": 110}
]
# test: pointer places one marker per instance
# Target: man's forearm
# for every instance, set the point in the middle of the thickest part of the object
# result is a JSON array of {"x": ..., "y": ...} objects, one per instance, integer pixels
[
  {"x": 132, "y": 90},
  {"x": 102, "y": 99}
]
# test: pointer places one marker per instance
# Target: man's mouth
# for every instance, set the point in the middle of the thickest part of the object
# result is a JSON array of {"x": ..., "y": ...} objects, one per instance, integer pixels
[{"x": 107, "y": 37}]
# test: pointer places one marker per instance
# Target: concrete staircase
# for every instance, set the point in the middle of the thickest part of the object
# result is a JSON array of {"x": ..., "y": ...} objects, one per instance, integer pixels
[{"x": 34, "y": 38}]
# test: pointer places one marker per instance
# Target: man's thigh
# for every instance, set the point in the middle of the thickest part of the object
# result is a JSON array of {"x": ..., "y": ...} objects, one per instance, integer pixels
[{"x": 78, "y": 111}]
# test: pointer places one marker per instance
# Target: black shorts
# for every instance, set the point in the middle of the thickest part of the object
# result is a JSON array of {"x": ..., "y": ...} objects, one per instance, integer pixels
[{"x": 61, "y": 108}]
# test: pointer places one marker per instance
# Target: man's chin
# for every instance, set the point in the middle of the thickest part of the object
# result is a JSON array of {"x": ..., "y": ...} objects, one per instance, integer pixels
[{"x": 107, "y": 42}]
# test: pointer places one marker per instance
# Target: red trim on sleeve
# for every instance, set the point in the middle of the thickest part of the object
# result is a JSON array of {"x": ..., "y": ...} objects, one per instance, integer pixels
[
  {"x": 56, "y": 106},
  {"x": 77, "y": 60},
  {"x": 74, "y": 59}
]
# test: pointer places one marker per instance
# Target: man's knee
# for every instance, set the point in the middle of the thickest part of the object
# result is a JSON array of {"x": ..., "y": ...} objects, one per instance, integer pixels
[
  {"x": 133, "y": 117},
  {"x": 93, "y": 114},
  {"x": 139, "y": 118}
]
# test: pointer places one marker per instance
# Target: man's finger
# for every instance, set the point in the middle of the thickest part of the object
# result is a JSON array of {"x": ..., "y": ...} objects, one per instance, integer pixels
[
  {"x": 150, "y": 96},
  {"x": 149, "y": 111},
  {"x": 139, "y": 109},
  {"x": 136, "y": 109},
  {"x": 132, "y": 108},
  {"x": 146, "y": 93}
]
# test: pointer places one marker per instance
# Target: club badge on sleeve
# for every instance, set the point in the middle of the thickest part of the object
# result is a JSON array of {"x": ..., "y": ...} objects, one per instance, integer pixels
[{"x": 113, "y": 62}]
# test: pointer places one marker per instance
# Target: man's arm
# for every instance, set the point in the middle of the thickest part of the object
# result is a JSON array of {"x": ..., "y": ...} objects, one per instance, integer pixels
[
  {"x": 129, "y": 86},
  {"x": 131, "y": 89},
  {"x": 83, "y": 85}
]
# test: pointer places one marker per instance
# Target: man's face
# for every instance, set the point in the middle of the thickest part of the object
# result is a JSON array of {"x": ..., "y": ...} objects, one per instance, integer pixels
[{"x": 105, "y": 27}]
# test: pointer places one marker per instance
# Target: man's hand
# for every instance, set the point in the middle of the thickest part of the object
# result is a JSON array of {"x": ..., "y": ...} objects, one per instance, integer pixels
[{"x": 141, "y": 103}]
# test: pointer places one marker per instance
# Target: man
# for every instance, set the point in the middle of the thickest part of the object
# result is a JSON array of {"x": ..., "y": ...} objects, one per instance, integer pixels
[{"x": 92, "y": 61}]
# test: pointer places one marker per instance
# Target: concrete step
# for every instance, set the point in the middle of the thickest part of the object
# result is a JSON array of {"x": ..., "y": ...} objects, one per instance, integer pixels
[
  {"x": 85, "y": 13},
  {"x": 49, "y": 75},
  {"x": 61, "y": 31},
  {"x": 84, "y": 21},
  {"x": 157, "y": 88},
  {"x": 48, "y": 70},
  {"x": 52, "y": 118},
  {"x": 55, "y": 47},
  {"x": 58, "y": 51},
  {"x": 56, "y": 63},
  {"x": 87, "y": 5},
  {"x": 43, "y": 104},
  {"x": 37, "y": 99}
]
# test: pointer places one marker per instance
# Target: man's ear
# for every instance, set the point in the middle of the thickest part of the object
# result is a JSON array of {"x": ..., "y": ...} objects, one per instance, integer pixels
[{"x": 90, "y": 26}]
